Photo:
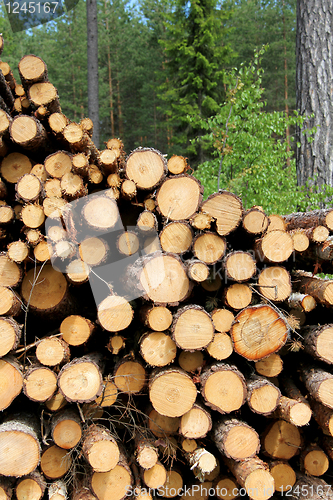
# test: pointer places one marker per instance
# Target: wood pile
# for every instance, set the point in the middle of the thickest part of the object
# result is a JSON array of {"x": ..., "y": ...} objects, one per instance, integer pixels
[{"x": 152, "y": 342}]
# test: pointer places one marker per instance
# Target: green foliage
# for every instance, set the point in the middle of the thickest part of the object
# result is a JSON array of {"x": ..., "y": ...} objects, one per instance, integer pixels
[{"x": 250, "y": 147}]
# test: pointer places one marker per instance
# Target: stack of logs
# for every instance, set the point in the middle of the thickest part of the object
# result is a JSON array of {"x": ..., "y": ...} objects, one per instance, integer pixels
[{"x": 152, "y": 343}]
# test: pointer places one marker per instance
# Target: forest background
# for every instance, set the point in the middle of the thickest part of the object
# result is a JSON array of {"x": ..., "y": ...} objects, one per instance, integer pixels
[{"x": 183, "y": 77}]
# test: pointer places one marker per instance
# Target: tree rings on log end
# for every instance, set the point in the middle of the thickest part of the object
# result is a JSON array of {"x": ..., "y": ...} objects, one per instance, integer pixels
[
  {"x": 258, "y": 331},
  {"x": 44, "y": 288},
  {"x": 146, "y": 167}
]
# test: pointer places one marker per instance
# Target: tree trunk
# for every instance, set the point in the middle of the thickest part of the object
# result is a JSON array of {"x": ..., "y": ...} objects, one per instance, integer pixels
[
  {"x": 92, "y": 53},
  {"x": 314, "y": 76}
]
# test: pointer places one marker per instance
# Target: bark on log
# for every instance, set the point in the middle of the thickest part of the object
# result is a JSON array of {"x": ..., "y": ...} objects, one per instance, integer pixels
[
  {"x": 100, "y": 448},
  {"x": 275, "y": 283},
  {"x": 192, "y": 328},
  {"x": 262, "y": 395},
  {"x": 176, "y": 237},
  {"x": 146, "y": 167},
  {"x": 81, "y": 380},
  {"x": 226, "y": 208},
  {"x": 281, "y": 440},
  {"x": 179, "y": 197},
  {"x": 321, "y": 290},
  {"x": 66, "y": 429},
  {"x": 32, "y": 487},
  {"x": 319, "y": 384},
  {"x": 318, "y": 341},
  {"x": 55, "y": 462},
  {"x": 275, "y": 246},
  {"x": 39, "y": 383},
  {"x": 196, "y": 423},
  {"x": 28, "y": 132},
  {"x": 236, "y": 439}
]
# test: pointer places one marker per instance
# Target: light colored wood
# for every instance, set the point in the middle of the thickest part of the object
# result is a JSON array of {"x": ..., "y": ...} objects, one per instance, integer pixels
[
  {"x": 10, "y": 273},
  {"x": 11, "y": 381},
  {"x": 112, "y": 485},
  {"x": 129, "y": 376},
  {"x": 32, "y": 216},
  {"x": 275, "y": 283},
  {"x": 162, "y": 425},
  {"x": 281, "y": 440},
  {"x": 318, "y": 341},
  {"x": 226, "y": 209},
  {"x": 42, "y": 251},
  {"x": 222, "y": 319},
  {"x": 32, "y": 487},
  {"x": 18, "y": 251},
  {"x": 58, "y": 164},
  {"x": 283, "y": 474},
  {"x": 54, "y": 207},
  {"x": 100, "y": 213},
  {"x": 262, "y": 395},
  {"x": 270, "y": 366},
  {"x": 28, "y": 132},
  {"x": 236, "y": 439},
  {"x": 177, "y": 164},
  {"x": 44, "y": 288},
  {"x": 81, "y": 380},
  {"x": 146, "y": 222},
  {"x": 314, "y": 460},
  {"x": 191, "y": 361},
  {"x": 109, "y": 394},
  {"x": 239, "y": 266},
  {"x": 100, "y": 448},
  {"x": 55, "y": 462},
  {"x": 45, "y": 94},
  {"x": 94, "y": 251},
  {"x": 255, "y": 221},
  {"x": 39, "y": 383},
  {"x": 57, "y": 490},
  {"x": 197, "y": 271},
  {"x": 173, "y": 485},
  {"x": 196, "y": 423},
  {"x": 156, "y": 476},
  {"x": 114, "y": 313},
  {"x": 238, "y": 296},
  {"x": 10, "y": 334},
  {"x": 77, "y": 272},
  {"x": 220, "y": 347},
  {"x": 192, "y": 328},
  {"x": 13, "y": 166},
  {"x": 52, "y": 351},
  {"x": 209, "y": 247},
  {"x": 157, "y": 318},
  {"x": 275, "y": 246},
  {"x": 294, "y": 411},
  {"x": 226, "y": 488},
  {"x": 66, "y": 429},
  {"x": 179, "y": 197},
  {"x": 146, "y": 167},
  {"x": 319, "y": 384},
  {"x": 128, "y": 243},
  {"x": 176, "y": 237},
  {"x": 10, "y": 302},
  {"x": 76, "y": 330},
  {"x": 158, "y": 349}
]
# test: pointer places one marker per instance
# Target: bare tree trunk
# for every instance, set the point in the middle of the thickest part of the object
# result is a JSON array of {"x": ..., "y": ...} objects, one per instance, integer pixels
[
  {"x": 314, "y": 88},
  {"x": 109, "y": 72},
  {"x": 92, "y": 53},
  {"x": 286, "y": 80}
]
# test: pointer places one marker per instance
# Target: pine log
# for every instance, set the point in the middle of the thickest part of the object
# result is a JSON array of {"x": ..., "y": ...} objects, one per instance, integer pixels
[
  {"x": 201, "y": 221},
  {"x": 56, "y": 403},
  {"x": 19, "y": 432},
  {"x": 172, "y": 392},
  {"x": 301, "y": 240},
  {"x": 146, "y": 167},
  {"x": 320, "y": 289},
  {"x": 13, "y": 166},
  {"x": 222, "y": 319},
  {"x": 39, "y": 383},
  {"x": 57, "y": 490},
  {"x": 323, "y": 416},
  {"x": 66, "y": 429},
  {"x": 45, "y": 289},
  {"x": 311, "y": 488},
  {"x": 258, "y": 331},
  {"x": 42, "y": 252},
  {"x": 52, "y": 351},
  {"x": 109, "y": 394},
  {"x": 116, "y": 343},
  {"x": 209, "y": 247},
  {"x": 94, "y": 173},
  {"x": 275, "y": 246},
  {"x": 100, "y": 448},
  {"x": 283, "y": 474},
  {"x": 318, "y": 341},
  {"x": 8, "y": 74},
  {"x": 54, "y": 207},
  {"x": 192, "y": 328},
  {"x": 305, "y": 220},
  {"x": 58, "y": 164},
  {"x": 72, "y": 186},
  {"x": 253, "y": 475},
  {"x": 18, "y": 251},
  {"x": 45, "y": 94},
  {"x": 226, "y": 208},
  {"x": 5, "y": 121},
  {"x": 146, "y": 222},
  {"x": 197, "y": 270},
  {"x": 202, "y": 462},
  {"x": 155, "y": 477},
  {"x": 10, "y": 334},
  {"x": 239, "y": 266},
  {"x": 114, "y": 313},
  {"x": 11, "y": 381},
  {"x": 237, "y": 296},
  {"x": 55, "y": 462},
  {"x": 28, "y": 132},
  {"x": 319, "y": 384},
  {"x": 158, "y": 349},
  {"x": 100, "y": 213},
  {"x": 30, "y": 487},
  {"x": 275, "y": 283},
  {"x": 191, "y": 361},
  {"x": 108, "y": 161},
  {"x": 221, "y": 346},
  {"x": 129, "y": 376},
  {"x": 33, "y": 215},
  {"x": 281, "y": 440},
  {"x": 327, "y": 444},
  {"x": 10, "y": 272},
  {"x": 10, "y": 303},
  {"x": 295, "y": 411},
  {"x": 57, "y": 123},
  {"x": 301, "y": 302},
  {"x": 177, "y": 164},
  {"x": 235, "y": 439},
  {"x": 114, "y": 484},
  {"x": 94, "y": 251},
  {"x": 32, "y": 69},
  {"x": 28, "y": 188},
  {"x": 81, "y": 380},
  {"x": 39, "y": 171},
  {"x": 196, "y": 423},
  {"x": 270, "y": 366},
  {"x": 179, "y": 197},
  {"x": 77, "y": 272},
  {"x": 157, "y": 318},
  {"x": 6, "y": 93},
  {"x": 314, "y": 460},
  {"x": 6, "y": 215},
  {"x": 128, "y": 189},
  {"x": 146, "y": 453},
  {"x": 176, "y": 237},
  {"x": 226, "y": 488},
  {"x": 80, "y": 165},
  {"x": 255, "y": 221},
  {"x": 128, "y": 243},
  {"x": 262, "y": 395},
  {"x": 223, "y": 387},
  {"x": 162, "y": 425}
]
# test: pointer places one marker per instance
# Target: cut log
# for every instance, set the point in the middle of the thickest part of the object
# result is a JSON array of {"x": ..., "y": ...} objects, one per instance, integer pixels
[
  {"x": 221, "y": 346},
  {"x": 76, "y": 330},
  {"x": 253, "y": 475},
  {"x": 323, "y": 416},
  {"x": 58, "y": 164},
  {"x": 275, "y": 246},
  {"x": 100, "y": 448},
  {"x": 258, "y": 331},
  {"x": 201, "y": 221},
  {"x": 87, "y": 125},
  {"x": 255, "y": 221},
  {"x": 6, "y": 94},
  {"x": 192, "y": 328},
  {"x": 128, "y": 243},
  {"x": 155, "y": 477},
  {"x": 81, "y": 380},
  {"x": 283, "y": 474},
  {"x": 13, "y": 166},
  {"x": 32, "y": 487},
  {"x": 80, "y": 164},
  {"x": 116, "y": 343},
  {"x": 161, "y": 425},
  {"x": 314, "y": 460},
  {"x": 191, "y": 361},
  {"x": 237, "y": 296},
  {"x": 146, "y": 167},
  {"x": 319, "y": 383},
  {"x": 57, "y": 123},
  {"x": 294, "y": 411},
  {"x": 100, "y": 213},
  {"x": 157, "y": 318},
  {"x": 158, "y": 349},
  {"x": 176, "y": 237},
  {"x": 172, "y": 392},
  {"x": 239, "y": 266},
  {"x": 77, "y": 272},
  {"x": 146, "y": 222},
  {"x": 108, "y": 161},
  {"x": 129, "y": 376},
  {"x": 94, "y": 251},
  {"x": 202, "y": 462},
  {"x": 10, "y": 303},
  {"x": 197, "y": 270},
  {"x": 32, "y": 69},
  {"x": 128, "y": 189},
  {"x": 226, "y": 208},
  {"x": 10, "y": 334},
  {"x": 5, "y": 121},
  {"x": 18, "y": 433},
  {"x": 179, "y": 197},
  {"x": 262, "y": 395},
  {"x": 39, "y": 383},
  {"x": 301, "y": 240},
  {"x": 95, "y": 175},
  {"x": 11, "y": 381},
  {"x": 305, "y": 220},
  {"x": 222, "y": 319},
  {"x": 44, "y": 289},
  {"x": 269, "y": 367},
  {"x": 33, "y": 216},
  {"x": 112, "y": 485},
  {"x": 236, "y": 439},
  {"x": 52, "y": 351},
  {"x": 320, "y": 289},
  {"x": 66, "y": 429},
  {"x": 57, "y": 490},
  {"x": 45, "y": 94},
  {"x": 223, "y": 387},
  {"x": 114, "y": 313},
  {"x": 28, "y": 132},
  {"x": 72, "y": 186},
  {"x": 55, "y": 462},
  {"x": 226, "y": 488},
  {"x": 109, "y": 394},
  {"x": 10, "y": 272},
  {"x": 6, "y": 215},
  {"x": 275, "y": 283},
  {"x": 318, "y": 341},
  {"x": 18, "y": 251},
  {"x": 281, "y": 440},
  {"x": 311, "y": 488},
  {"x": 301, "y": 302},
  {"x": 53, "y": 207},
  {"x": 177, "y": 164},
  {"x": 146, "y": 453},
  {"x": 209, "y": 247},
  {"x": 196, "y": 423}
]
